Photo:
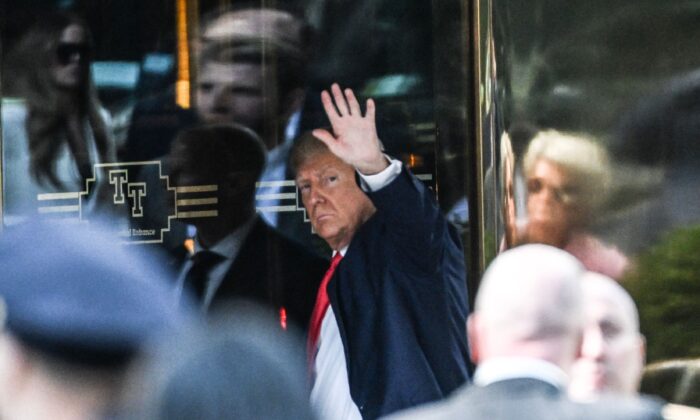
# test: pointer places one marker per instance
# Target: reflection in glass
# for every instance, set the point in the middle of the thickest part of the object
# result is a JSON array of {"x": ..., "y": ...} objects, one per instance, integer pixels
[
  {"x": 245, "y": 257},
  {"x": 567, "y": 180},
  {"x": 57, "y": 131},
  {"x": 508, "y": 181},
  {"x": 660, "y": 135},
  {"x": 624, "y": 73}
]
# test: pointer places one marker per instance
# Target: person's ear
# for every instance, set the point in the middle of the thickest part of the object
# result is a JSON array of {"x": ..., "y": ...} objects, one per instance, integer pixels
[
  {"x": 642, "y": 349},
  {"x": 15, "y": 366},
  {"x": 642, "y": 354},
  {"x": 473, "y": 336},
  {"x": 579, "y": 344}
]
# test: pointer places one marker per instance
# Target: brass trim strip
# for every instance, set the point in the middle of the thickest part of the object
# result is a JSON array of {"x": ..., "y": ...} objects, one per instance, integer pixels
[
  {"x": 478, "y": 126},
  {"x": 196, "y": 214},
  {"x": 196, "y": 189},
  {"x": 58, "y": 196},
  {"x": 58, "y": 209},
  {"x": 197, "y": 201},
  {"x": 286, "y": 183},
  {"x": 278, "y": 208},
  {"x": 280, "y": 196},
  {"x": 134, "y": 163}
]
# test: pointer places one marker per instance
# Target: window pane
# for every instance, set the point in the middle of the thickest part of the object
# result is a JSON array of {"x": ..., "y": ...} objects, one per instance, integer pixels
[
  {"x": 101, "y": 101},
  {"x": 598, "y": 147}
]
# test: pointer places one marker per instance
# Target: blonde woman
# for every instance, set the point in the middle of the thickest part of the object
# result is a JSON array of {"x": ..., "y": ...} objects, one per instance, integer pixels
[{"x": 568, "y": 178}]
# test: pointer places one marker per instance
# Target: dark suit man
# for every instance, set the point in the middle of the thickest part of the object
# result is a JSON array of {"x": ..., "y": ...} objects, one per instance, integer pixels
[
  {"x": 525, "y": 334},
  {"x": 236, "y": 255},
  {"x": 393, "y": 334}
]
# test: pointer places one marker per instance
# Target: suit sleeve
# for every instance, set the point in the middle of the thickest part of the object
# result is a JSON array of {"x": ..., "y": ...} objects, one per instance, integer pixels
[{"x": 414, "y": 224}]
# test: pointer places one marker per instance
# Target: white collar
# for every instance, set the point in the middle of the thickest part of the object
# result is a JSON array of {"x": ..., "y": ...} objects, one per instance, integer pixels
[{"x": 342, "y": 251}]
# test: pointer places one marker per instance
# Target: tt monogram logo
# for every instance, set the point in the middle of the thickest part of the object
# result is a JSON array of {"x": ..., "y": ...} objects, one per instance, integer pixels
[{"x": 135, "y": 190}]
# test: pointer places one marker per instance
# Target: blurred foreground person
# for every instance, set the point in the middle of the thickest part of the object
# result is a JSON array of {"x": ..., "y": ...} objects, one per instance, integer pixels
[
  {"x": 612, "y": 354},
  {"x": 613, "y": 350},
  {"x": 568, "y": 179},
  {"x": 241, "y": 367},
  {"x": 387, "y": 331},
  {"x": 77, "y": 310},
  {"x": 525, "y": 334}
]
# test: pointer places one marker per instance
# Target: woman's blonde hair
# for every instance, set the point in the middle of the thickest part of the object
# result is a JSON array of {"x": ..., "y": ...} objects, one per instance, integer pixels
[{"x": 584, "y": 160}]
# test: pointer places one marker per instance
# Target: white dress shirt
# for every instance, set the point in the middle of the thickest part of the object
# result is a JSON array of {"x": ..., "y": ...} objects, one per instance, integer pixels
[{"x": 330, "y": 394}]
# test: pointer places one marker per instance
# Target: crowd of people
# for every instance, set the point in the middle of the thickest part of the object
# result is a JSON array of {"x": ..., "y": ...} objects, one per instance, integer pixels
[{"x": 240, "y": 320}]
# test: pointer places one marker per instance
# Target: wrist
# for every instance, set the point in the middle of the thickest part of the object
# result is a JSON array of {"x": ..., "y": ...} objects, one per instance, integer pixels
[{"x": 375, "y": 166}]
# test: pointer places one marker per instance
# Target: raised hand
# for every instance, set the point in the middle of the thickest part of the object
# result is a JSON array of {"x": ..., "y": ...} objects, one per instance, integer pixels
[{"x": 355, "y": 140}]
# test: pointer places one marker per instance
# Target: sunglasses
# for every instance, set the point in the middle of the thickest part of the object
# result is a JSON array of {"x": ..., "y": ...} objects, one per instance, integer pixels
[{"x": 66, "y": 51}]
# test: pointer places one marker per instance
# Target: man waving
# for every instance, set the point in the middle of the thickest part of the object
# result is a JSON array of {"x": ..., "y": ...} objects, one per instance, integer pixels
[{"x": 388, "y": 328}]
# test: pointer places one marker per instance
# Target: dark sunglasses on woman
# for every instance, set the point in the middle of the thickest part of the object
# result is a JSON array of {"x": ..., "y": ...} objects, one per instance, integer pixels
[{"x": 66, "y": 51}]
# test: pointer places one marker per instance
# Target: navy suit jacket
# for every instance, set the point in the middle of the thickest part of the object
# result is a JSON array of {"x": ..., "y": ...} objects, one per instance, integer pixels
[
  {"x": 400, "y": 299},
  {"x": 275, "y": 271}
]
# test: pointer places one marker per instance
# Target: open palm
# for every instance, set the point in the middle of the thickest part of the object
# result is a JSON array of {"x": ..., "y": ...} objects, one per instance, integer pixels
[{"x": 355, "y": 140}]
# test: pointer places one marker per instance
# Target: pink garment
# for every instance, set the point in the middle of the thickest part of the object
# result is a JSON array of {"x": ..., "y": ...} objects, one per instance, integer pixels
[{"x": 597, "y": 256}]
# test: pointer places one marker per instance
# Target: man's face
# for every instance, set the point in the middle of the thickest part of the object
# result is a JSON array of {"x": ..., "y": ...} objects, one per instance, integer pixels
[
  {"x": 612, "y": 353},
  {"x": 550, "y": 204},
  {"x": 229, "y": 92},
  {"x": 335, "y": 204}
]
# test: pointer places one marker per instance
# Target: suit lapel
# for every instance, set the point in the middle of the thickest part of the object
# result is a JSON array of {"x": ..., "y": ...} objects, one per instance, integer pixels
[{"x": 246, "y": 278}]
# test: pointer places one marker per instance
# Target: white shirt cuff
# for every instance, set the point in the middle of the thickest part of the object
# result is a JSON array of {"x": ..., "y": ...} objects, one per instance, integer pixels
[{"x": 378, "y": 181}]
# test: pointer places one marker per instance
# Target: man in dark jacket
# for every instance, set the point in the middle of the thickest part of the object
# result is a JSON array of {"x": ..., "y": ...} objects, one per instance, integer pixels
[
  {"x": 393, "y": 335},
  {"x": 236, "y": 254}
]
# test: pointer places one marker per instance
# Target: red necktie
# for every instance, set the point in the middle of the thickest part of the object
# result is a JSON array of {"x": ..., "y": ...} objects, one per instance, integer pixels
[{"x": 320, "y": 308}]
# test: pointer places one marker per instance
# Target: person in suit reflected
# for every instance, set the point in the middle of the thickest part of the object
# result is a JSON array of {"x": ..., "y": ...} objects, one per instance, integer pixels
[
  {"x": 236, "y": 254},
  {"x": 251, "y": 70},
  {"x": 387, "y": 330},
  {"x": 525, "y": 334}
]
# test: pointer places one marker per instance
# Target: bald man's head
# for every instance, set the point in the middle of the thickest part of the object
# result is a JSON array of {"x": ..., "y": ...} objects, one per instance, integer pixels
[
  {"x": 529, "y": 305},
  {"x": 613, "y": 350}
]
